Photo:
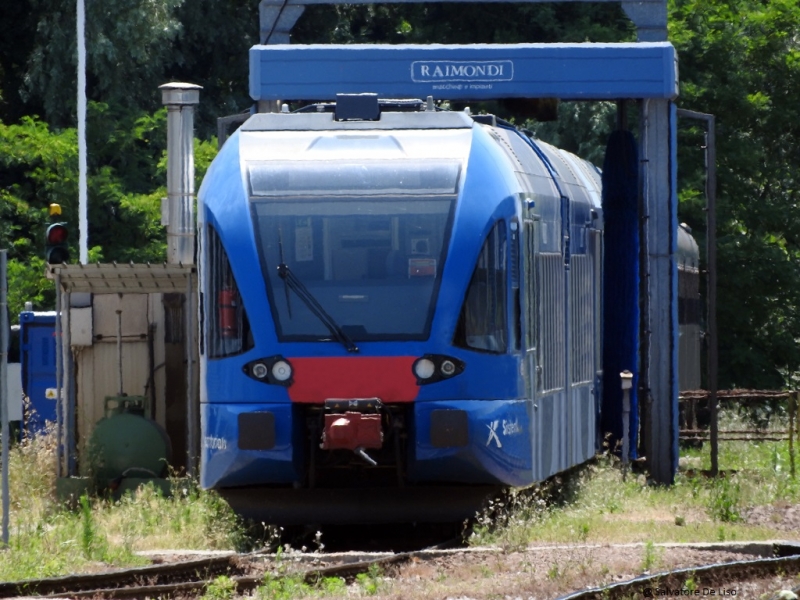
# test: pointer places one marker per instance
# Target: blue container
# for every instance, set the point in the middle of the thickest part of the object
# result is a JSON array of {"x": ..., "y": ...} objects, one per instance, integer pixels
[{"x": 38, "y": 358}]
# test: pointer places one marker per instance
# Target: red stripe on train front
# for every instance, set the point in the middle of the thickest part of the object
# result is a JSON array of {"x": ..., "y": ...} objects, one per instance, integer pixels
[{"x": 389, "y": 378}]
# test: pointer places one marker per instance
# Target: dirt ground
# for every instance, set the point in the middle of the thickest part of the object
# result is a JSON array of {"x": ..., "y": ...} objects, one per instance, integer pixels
[
  {"x": 781, "y": 516},
  {"x": 547, "y": 572}
]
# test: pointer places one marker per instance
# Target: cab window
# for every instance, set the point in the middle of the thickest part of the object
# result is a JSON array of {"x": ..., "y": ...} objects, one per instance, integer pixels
[{"x": 482, "y": 324}]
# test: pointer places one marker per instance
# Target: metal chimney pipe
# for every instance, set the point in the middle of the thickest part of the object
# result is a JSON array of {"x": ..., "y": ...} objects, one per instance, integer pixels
[{"x": 178, "y": 213}]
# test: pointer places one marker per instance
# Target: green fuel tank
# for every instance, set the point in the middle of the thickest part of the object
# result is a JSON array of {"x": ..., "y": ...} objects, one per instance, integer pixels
[{"x": 127, "y": 445}]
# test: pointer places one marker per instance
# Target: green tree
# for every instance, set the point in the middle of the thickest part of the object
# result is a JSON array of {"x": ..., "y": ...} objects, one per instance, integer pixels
[
  {"x": 211, "y": 49},
  {"x": 469, "y": 23},
  {"x": 128, "y": 44},
  {"x": 127, "y": 177},
  {"x": 16, "y": 44},
  {"x": 740, "y": 60}
]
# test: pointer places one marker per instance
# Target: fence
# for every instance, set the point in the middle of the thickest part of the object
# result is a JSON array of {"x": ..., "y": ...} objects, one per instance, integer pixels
[{"x": 692, "y": 428}]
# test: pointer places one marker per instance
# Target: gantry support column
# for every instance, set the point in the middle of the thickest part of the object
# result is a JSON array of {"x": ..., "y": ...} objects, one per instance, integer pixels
[{"x": 659, "y": 360}]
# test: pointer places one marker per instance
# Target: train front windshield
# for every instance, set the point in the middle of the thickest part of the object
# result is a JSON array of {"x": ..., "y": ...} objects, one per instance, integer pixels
[{"x": 366, "y": 240}]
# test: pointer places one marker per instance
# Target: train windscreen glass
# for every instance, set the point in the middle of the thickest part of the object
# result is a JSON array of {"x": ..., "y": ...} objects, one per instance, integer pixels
[{"x": 369, "y": 248}]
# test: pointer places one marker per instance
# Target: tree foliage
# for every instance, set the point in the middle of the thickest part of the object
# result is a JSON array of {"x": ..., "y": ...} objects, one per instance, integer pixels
[
  {"x": 127, "y": 177},
  {"x": 739, "y": 59},
  {"x": 452, "y": 23},
  {"x": 128, "y": 44}
]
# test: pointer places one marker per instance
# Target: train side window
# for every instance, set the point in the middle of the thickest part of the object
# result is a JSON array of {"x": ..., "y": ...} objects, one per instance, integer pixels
[
  {"x": 482, "y": 324},
  {"x": 227, "y": 323}
]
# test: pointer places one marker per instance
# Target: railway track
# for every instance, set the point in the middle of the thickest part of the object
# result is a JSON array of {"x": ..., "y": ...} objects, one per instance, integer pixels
[
  {"x": 246, "y": 574},
  {"x": 190, "y": 578},
  {"x": 691, "y": 581}
]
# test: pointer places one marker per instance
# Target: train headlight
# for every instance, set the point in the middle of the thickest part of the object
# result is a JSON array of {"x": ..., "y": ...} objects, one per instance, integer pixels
[
  {"x": 260, "y": 370},
  {"x": 282, "y": 371},
  {"x": 272, "y": 370},
  {"x": 424, "y": 368},
  {"x": 448, "y": 368},
  {"x": 432, "y": 368}
]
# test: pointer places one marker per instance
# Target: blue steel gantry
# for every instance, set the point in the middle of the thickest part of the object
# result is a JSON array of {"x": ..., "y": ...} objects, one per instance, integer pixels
[{"x": 645, "y": 72}]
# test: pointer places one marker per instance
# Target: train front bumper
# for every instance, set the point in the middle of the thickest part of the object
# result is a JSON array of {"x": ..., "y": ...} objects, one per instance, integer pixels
[{"x": 453, "y": 441}]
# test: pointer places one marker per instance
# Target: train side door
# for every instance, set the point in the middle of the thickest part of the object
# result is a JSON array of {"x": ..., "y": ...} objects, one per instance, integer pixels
[{"x": 533, "y": 371}]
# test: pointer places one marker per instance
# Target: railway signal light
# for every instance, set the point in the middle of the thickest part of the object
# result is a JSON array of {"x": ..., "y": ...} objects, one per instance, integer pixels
[{"x": 56, "y": 250}]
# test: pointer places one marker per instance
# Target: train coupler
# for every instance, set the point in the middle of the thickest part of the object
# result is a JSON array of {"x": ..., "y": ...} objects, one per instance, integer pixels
[{"x": 353, "y": 424}]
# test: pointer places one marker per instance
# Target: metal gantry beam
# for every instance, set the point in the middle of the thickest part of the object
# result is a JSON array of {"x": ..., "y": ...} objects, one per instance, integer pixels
[{"x": 465, "y": 72}]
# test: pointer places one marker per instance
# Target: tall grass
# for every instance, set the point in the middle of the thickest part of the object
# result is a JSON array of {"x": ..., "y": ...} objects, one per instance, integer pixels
[
  {"x": 598, "y": 504},
  {"x": 48, "y": 539},
  {"x": 595, "y": 504}
]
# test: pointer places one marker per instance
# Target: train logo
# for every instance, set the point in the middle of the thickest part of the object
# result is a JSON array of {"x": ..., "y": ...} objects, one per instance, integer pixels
[{"x": 466, "y": 71}]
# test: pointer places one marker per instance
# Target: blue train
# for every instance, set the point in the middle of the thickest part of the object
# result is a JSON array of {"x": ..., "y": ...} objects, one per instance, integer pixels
[{"x": 401, "y": 312}]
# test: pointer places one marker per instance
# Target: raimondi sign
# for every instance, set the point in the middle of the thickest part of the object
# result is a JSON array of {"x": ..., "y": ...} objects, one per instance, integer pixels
[
  {"x": 569, "y": 71},
  {"x": 437, "y": 71}
]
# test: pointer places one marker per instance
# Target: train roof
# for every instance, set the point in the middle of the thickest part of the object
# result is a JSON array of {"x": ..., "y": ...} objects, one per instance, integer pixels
[
  {"x": 405, "y": 130},
  {"x": 326, "y": 121}
]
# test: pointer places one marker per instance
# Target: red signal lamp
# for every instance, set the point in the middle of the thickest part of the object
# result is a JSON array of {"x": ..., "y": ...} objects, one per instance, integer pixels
[{"x": 56, "y": 251}]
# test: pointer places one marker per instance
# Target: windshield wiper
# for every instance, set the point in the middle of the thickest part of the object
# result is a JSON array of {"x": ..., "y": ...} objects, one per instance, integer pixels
[{"x": 291, "y": 281}]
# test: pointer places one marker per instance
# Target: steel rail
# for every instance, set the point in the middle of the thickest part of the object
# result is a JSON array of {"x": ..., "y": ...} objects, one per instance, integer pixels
[
  {"x": 192, "y": 576},
  {"x": 787, "y": 560},
  {"x": 73, "y": 584}
]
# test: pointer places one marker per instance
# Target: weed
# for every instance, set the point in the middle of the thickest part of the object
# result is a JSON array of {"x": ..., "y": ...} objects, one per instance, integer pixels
[
  {"x": 690, "y": 584},
  {"x": 725, "y": 500},
  {"x": 332, "y": 586},
  {"x": 554, "y": 573},
  {"x": 222, "y": 588},
  {"x": 507, "y": 520},
  {"x": 651, "y": 556},
  {"x": 721, "y": 534},
  {"x": 583, "y": 531},
  {"x": 283, "y": 587},
  {"x": 370, "y": 582},
  {"x": 318, "y": 542},
  {"x": 87, "y": 529}
]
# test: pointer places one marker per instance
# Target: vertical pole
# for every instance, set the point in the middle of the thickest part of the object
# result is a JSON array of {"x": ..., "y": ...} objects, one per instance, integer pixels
[
  {"x": 645, "y": 397},
  {"x": 626, "y": 379},
  {"x": 119, "y": 352},
  {"x": 180, "y": 100},
  {"x": 661, "y": 331},
  {"x": 711, "y": 249},
  {"x": 83, "y": 220},
  {"x": 4, "y": 431},
  {"x": 59, "y": 381},
  {"x": 712, "y": 360},
  {"x": 191, "y": 411},
  {"x": 70, "y": 400},
  {"x": 792, "y": 409}
]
